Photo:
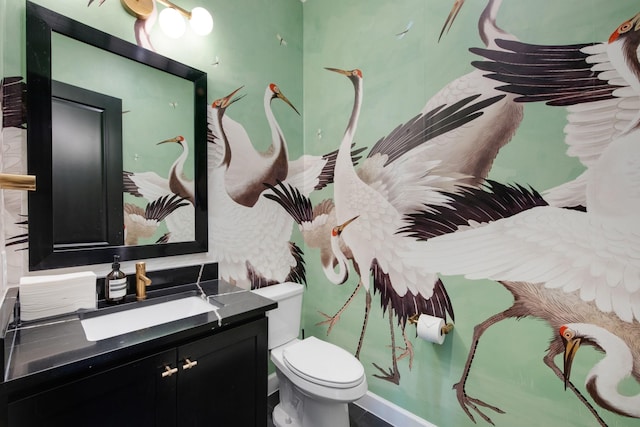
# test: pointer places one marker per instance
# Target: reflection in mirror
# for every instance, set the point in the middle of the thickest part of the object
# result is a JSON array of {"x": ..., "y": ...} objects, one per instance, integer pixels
[
  {"x": 79, "y": 115},
  {"x": 162, "y": 101},
  {"x": 163, "y": 208}
]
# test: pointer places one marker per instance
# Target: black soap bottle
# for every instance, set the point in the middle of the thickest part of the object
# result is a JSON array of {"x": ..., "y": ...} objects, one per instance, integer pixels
[{"x": 115, "y": 284}]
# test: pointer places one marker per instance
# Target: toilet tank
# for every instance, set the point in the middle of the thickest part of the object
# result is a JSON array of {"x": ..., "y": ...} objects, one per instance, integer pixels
[{"x": 284, "y": 321}]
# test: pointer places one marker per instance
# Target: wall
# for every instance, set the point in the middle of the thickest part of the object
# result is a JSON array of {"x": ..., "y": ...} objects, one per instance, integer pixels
[
  {"x": 402, "y": 72},
  {"x": 257, "y": 42},
  {"x": 3, "y": 269},
  {"x": 242, "y": 50},
  {"x": 11, "y": 139}
]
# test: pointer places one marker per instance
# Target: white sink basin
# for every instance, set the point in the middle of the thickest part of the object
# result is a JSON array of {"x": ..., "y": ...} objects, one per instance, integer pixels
[{"x": 114, "y": 324}]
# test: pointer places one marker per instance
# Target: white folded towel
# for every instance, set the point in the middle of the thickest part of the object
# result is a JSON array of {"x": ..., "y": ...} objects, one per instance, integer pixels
[{"x": 51, "y": 295}]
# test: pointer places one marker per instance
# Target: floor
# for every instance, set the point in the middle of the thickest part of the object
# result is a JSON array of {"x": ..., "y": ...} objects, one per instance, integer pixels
[{"x": 358, "y": 417}]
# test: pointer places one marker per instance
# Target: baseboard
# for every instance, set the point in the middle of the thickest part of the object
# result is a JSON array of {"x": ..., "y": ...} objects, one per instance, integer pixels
[
  {"x": 272, "y": 384},
  {"x": 370, "y": 402},
  {"x": 390, "y": 412}
]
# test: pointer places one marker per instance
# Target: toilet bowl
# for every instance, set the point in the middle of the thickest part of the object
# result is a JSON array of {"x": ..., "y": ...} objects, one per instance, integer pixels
[{"x": 317, "y": 379}]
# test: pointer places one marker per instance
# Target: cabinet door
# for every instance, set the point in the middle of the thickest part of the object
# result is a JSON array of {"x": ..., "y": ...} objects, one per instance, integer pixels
[
  {"x": 223, "y": 378},
  {"x": 132, "y": 394}
]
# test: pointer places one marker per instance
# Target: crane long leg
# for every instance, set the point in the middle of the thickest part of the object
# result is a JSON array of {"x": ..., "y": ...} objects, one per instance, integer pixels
[
  {"x": 332, "y": 320},
  {"x": 556, "y": 347},
  {"x": 408, "y": 349},
  {"x": 367, "y": 308},
  {"x": 392, "y": 375},
  {"x": 466, "y": 401}
]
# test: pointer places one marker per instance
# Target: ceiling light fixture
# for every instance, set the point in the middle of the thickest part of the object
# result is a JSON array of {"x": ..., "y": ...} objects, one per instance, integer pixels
[{"x": 171, "y": 21}]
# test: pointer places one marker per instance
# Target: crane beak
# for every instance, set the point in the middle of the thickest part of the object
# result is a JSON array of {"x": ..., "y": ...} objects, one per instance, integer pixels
[
  {"x": 353, "y": 75},
  {"x": 571, "y": 347},
  {"x": 457, "y": 5},
  {"x": 229, "y": 99},
  {"x": 342, "y": 226},
  {"x": 175, "y": 139},
  {"x": 338, "y": 70},
  {"x": 284, "y": 98}
]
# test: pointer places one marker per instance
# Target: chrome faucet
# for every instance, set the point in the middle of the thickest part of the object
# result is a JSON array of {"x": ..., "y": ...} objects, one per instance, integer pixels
[{"x": 142, "y": 281}]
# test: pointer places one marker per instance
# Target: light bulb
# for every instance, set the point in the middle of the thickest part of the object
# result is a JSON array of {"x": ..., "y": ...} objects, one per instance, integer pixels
[
  {"x": 172, "y": 23},
  {"x": 201, "y": 21}
]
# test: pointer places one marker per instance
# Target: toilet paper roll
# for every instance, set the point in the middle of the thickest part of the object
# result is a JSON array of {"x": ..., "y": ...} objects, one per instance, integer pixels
[{"x": 430, "y": 328}]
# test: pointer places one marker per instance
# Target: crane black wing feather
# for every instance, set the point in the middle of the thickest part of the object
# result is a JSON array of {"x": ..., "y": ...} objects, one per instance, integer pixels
[
  {"x": 434, "y": 123},
  {"x": 492, "y": 202},
  {"x": 438, "y": 305},
  {"x": 160, "y": 208},
  {"x": 292, "y": 201},
  {"x": 560, "y": 75},
  {"x": 14, "y": 112},
  {"x": 326, "y": 175}
]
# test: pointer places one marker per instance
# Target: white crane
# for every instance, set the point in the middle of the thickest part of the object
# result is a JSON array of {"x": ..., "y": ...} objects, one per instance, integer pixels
[
  {"x": 151, "y": 186},
  {"x": 602, "y": 104},
  {"x": 472, "y": 207},
  {"x": 401, "y": 183},
  {"x": 594, "y": 81},
  {"x": 15, "y": 225},
  {"x": 246, "y": 221},
  {"x": 143, "y": 25},
  {"x": 143, "y": 223},
  {"x": 592, "y": 256},
  {"x": 471, "y": 150},
  {"x": 466, "y": 153},
  {"x": 604, "y": 378},
  {"x": 318, "y": 224},
  {"x": 248, "y": 169},
  {"x": 178, "y": 182},
  {"x": 142, "y": 28},
  {"x": 315, "y": 224},
  {"x": 250, "y": 243}
]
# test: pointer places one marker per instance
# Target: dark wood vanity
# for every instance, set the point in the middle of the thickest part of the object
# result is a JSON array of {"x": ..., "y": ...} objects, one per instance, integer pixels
[{"x": 204, "y": 370}]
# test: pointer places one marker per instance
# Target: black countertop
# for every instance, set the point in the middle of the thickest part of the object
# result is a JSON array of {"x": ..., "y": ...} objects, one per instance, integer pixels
[{"x": 42, "y": 353}]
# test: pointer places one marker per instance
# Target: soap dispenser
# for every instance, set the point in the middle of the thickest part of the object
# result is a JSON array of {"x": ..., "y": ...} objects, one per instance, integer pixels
[{"x": 115, "y": 284}]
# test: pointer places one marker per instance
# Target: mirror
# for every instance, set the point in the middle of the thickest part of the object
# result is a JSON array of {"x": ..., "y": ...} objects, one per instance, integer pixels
[
  {"x": 79, "y": 115},
  {"x": 126, "y": 100}
]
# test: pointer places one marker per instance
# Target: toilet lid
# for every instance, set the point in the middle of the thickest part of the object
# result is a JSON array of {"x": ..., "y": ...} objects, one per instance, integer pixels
[{"x": 323, "y": 363}]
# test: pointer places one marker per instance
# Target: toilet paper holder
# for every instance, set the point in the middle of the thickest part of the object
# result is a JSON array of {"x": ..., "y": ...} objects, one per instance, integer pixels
[{"x": 447, "y": 328}]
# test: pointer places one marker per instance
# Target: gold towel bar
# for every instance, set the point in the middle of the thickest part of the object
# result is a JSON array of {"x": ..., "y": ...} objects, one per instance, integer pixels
[{"x": 17, "y": 182}]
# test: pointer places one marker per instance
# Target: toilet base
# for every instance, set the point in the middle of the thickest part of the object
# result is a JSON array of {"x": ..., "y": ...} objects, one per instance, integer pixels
[
  {"x": 334, "y": 417},
  {"x": 298, "y": 410},
  {"x": 281, "y": 418}
]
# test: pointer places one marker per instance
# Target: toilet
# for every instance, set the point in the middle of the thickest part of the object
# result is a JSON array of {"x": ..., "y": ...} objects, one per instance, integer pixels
[{"x": 317, "y": 379}]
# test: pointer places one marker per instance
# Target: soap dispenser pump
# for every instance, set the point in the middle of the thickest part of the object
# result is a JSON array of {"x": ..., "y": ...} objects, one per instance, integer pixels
[{"x": 115, "y": 284}]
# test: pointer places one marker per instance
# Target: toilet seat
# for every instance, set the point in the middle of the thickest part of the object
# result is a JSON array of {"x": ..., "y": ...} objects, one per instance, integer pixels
[{"x": 323, "y": 363}]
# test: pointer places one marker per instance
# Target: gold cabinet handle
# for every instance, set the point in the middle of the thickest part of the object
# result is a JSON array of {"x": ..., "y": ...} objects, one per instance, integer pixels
[
  {"x": 188, "y": 364},
  {"x": 168, "y": 371}
]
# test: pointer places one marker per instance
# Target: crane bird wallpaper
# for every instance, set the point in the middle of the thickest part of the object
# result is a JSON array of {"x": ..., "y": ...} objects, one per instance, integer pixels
[{"x": 475, "y": 160}]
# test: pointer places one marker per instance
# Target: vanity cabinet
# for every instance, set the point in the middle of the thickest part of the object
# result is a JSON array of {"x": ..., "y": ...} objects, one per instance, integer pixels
[
  {"x": 215, "y": 380},
  {"x": 228, "y": 385}
]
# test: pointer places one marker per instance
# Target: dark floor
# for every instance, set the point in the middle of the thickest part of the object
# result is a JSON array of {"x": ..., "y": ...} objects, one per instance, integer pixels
[{"x": 358, "y": 417}]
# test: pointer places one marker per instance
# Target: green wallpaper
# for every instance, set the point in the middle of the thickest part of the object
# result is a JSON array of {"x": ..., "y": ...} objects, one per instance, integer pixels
[
  {"x": 400, "y": 75},
  {"x": 242, "y": 50}
]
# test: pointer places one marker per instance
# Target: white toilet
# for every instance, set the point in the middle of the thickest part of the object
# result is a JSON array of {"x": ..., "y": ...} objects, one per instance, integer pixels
[{"x": 317, "y": 379}]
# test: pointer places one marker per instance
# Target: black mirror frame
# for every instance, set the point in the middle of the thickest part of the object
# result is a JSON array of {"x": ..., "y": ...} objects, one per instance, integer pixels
[{"x": 40, "y": 22}]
